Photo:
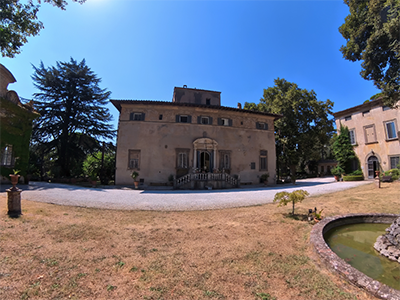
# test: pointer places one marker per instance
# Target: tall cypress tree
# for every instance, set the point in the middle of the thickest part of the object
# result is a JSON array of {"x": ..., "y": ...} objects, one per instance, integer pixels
[
  {"x": 343, "y": 150},
  {"x": 72, "y": 108}
]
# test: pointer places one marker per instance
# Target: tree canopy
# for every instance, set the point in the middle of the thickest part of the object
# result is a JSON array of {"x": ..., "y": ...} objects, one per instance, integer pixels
[
  {"x": 73, "y": 112},
  {"x": 305, "y": 127},
  {"x": 372, "y": 32},
  {"x": 19, "y": 21}
]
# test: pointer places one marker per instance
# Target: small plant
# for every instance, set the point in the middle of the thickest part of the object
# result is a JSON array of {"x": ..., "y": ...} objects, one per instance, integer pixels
[
  {"x": 15, "y": 172},
  {"x": 264, "y": 177},
  {"x": 318, "y": 215},
  {"x": 111, "y": 287},
  {"x": 134, "y": 175},
  {"x": 171, "y": 178},
  {"x": 296, "y": 196}
]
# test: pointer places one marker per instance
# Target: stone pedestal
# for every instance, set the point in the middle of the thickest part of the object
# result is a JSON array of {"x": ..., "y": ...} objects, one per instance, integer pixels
[{"x": 14, "y": 202}]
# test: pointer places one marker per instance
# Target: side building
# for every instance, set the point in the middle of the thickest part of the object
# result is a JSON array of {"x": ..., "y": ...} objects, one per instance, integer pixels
[
  {"x": 193, "y": 134},
  {"x": 15, "y": 128},
  {"x": 374, "y": 133}
]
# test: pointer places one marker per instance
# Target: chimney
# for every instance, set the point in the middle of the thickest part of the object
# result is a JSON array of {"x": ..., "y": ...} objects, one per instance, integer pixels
[{"x": 239, "y": 105}]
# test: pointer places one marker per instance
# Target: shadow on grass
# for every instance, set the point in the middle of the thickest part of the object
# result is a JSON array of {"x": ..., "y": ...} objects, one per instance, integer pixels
[{"x": 297, "y": 217}]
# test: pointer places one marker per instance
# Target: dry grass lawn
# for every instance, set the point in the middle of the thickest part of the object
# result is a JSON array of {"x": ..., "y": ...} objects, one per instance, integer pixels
[{"x": 61, "y": 252}]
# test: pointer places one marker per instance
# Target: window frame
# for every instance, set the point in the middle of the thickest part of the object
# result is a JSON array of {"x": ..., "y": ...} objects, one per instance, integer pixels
[
  {"x": 353, "y": 131},
  {"x": 7, "y": 156},
  {"x": 182, "y": 163},
  {"x": 347, "y": 118},
  {"x": 221, "y": 122},
  {"x": 390, "y": 161},
  {"x": 137, "y": 116},
  {"x": 178, "y": 119},
  {"x": 263, "y": 160},
  {"x": 394, "y": 130},
  {"x": 134, "y": 155},
  {"x": 225, "y": 159},
  {"x": 262, "y": 125}
]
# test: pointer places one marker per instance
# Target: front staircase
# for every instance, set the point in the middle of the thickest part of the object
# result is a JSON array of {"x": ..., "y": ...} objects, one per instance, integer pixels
[{"x": 198, "y": 181}]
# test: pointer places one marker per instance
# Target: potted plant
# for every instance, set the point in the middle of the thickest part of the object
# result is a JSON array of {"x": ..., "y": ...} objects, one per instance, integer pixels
[
  {"x": 14, "y": 178},
  {"x": 135, "y": 175},
  {"x": 337, "y": 172},
  {"x": 264, "y": 178}
]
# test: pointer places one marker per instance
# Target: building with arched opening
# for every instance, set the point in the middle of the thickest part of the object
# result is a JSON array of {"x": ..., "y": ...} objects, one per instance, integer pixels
[
  {"x": 374, "y": 133},
  {"x": 194, "y": 139}
]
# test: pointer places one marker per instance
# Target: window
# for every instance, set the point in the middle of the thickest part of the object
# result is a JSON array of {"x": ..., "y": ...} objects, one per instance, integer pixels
[
  {"x": 385, "y": 108},
  {"x": 347, "y": 118},
  {"x": 208, "y": 101},
  {"x": 224, "y": 122},
  {"x": 391, "y": 133},
  {"x": 253, "y": 165},
  {"x": 134, "y": 160},
  {"x": 183, "y": 119},
  {"x": 352, "y": 133},
  {"x": 160, "y": 117},
  {"x": 394, "y": 161},
  {"x": 224, "y": 159},
  {"x": 365, "y": 113},
  {"x": 262, "y": 125},
  {"x": 369, "y": 132},
  {"x": 7, "y": 158},
  {"x": 204, "y": 120},
  {"x": 263, "y": 160},
  {"x": 136, "y": 116},
  {"x": 182, "y": 161}
]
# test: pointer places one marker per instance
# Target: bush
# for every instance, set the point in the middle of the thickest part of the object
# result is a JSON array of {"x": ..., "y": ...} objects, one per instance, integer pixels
[
  {"x": 358, "y": 172},
  {"x": 353, "y": 178},
  {"x": 395, "y": 173}
]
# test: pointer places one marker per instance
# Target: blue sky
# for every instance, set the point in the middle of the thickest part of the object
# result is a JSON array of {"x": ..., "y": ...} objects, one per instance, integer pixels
[{"x": 143, "y": 49}]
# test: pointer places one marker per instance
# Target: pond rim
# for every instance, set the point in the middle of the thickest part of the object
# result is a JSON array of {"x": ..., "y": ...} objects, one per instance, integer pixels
[{"x": 333, "y": 262}]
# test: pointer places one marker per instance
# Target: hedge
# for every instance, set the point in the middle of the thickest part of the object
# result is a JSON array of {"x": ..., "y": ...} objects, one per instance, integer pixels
[{"x": 353, "y": 178}]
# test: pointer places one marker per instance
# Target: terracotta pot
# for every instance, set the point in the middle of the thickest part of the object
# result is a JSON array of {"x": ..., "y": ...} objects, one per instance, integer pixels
[
  {"x": 136, "y": 184},
  {"x": 14, "y": 179}
]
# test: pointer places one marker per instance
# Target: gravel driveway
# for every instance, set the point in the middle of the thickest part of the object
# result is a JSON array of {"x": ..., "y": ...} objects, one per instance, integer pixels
[{"x": 171, "y": 200}]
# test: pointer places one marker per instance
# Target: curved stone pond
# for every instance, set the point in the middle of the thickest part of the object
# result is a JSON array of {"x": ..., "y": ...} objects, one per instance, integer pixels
[{"x": 339, "y": 265}]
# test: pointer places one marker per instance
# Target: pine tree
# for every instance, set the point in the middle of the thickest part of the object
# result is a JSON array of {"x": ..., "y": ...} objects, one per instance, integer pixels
[{"x": 73, "y": 112}]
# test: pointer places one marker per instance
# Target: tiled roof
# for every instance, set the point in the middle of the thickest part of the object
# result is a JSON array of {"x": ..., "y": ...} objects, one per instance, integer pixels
[
  {"x": 358, "y": 108},
  {"x": 117, "y": 104}
]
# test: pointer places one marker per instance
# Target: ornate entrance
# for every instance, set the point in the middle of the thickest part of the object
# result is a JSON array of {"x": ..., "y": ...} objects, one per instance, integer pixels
[
  {"x": 373, "y": 165},
  {"x": 205, "y": 150}
]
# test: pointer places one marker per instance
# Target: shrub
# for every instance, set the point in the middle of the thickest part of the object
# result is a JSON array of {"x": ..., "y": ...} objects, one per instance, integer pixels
[
  {"x": 296, "y": 196},
  {"x": 395, "y": 173},
  {"x": 353, "y": 178},
  {"x": 358, "y": 172}
]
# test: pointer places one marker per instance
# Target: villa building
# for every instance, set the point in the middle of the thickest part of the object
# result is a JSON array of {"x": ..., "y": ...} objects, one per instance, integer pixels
[
  {"x": 194, "y": 139},
  {"x": 15, "y": 128},
  {"x": 374, "y": 132}
]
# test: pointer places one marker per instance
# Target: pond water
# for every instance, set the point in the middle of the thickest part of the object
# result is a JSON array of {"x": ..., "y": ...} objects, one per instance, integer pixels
[{"x": 355, "y": 244}]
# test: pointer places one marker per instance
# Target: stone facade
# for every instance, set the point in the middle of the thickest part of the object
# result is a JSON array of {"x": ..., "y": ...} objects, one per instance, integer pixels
[
  {"x": 192, "y": 133},
  {"x": 374, "y": 132}
]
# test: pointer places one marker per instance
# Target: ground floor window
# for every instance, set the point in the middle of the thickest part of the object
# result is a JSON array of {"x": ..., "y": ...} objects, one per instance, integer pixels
[
  {"x": 394, "y": 161},
  {"x": 263, "y": 160},
  {"x": 134, "y": 160},
  {"x": 7, "y": 158},
  {"x": 182, "y": 158},
  {"x": 224, "y": 160}
]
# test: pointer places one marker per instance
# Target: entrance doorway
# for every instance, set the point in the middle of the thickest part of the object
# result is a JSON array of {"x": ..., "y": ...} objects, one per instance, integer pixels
[
  {"x": 205, "y": 161},
  {"x": 373, "y": 165}
]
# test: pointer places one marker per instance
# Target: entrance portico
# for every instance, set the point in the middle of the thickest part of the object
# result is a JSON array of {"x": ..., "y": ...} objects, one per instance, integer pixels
[{"x": 205, "y": 154}]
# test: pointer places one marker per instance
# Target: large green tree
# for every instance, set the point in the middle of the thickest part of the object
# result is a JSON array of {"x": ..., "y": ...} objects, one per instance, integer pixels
[
  {"x": 19, "y": 21},
  {"x": 372, "y": 32},
  {"x": 73, "y": 112},
  {"x": 305, "y": 127}
]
